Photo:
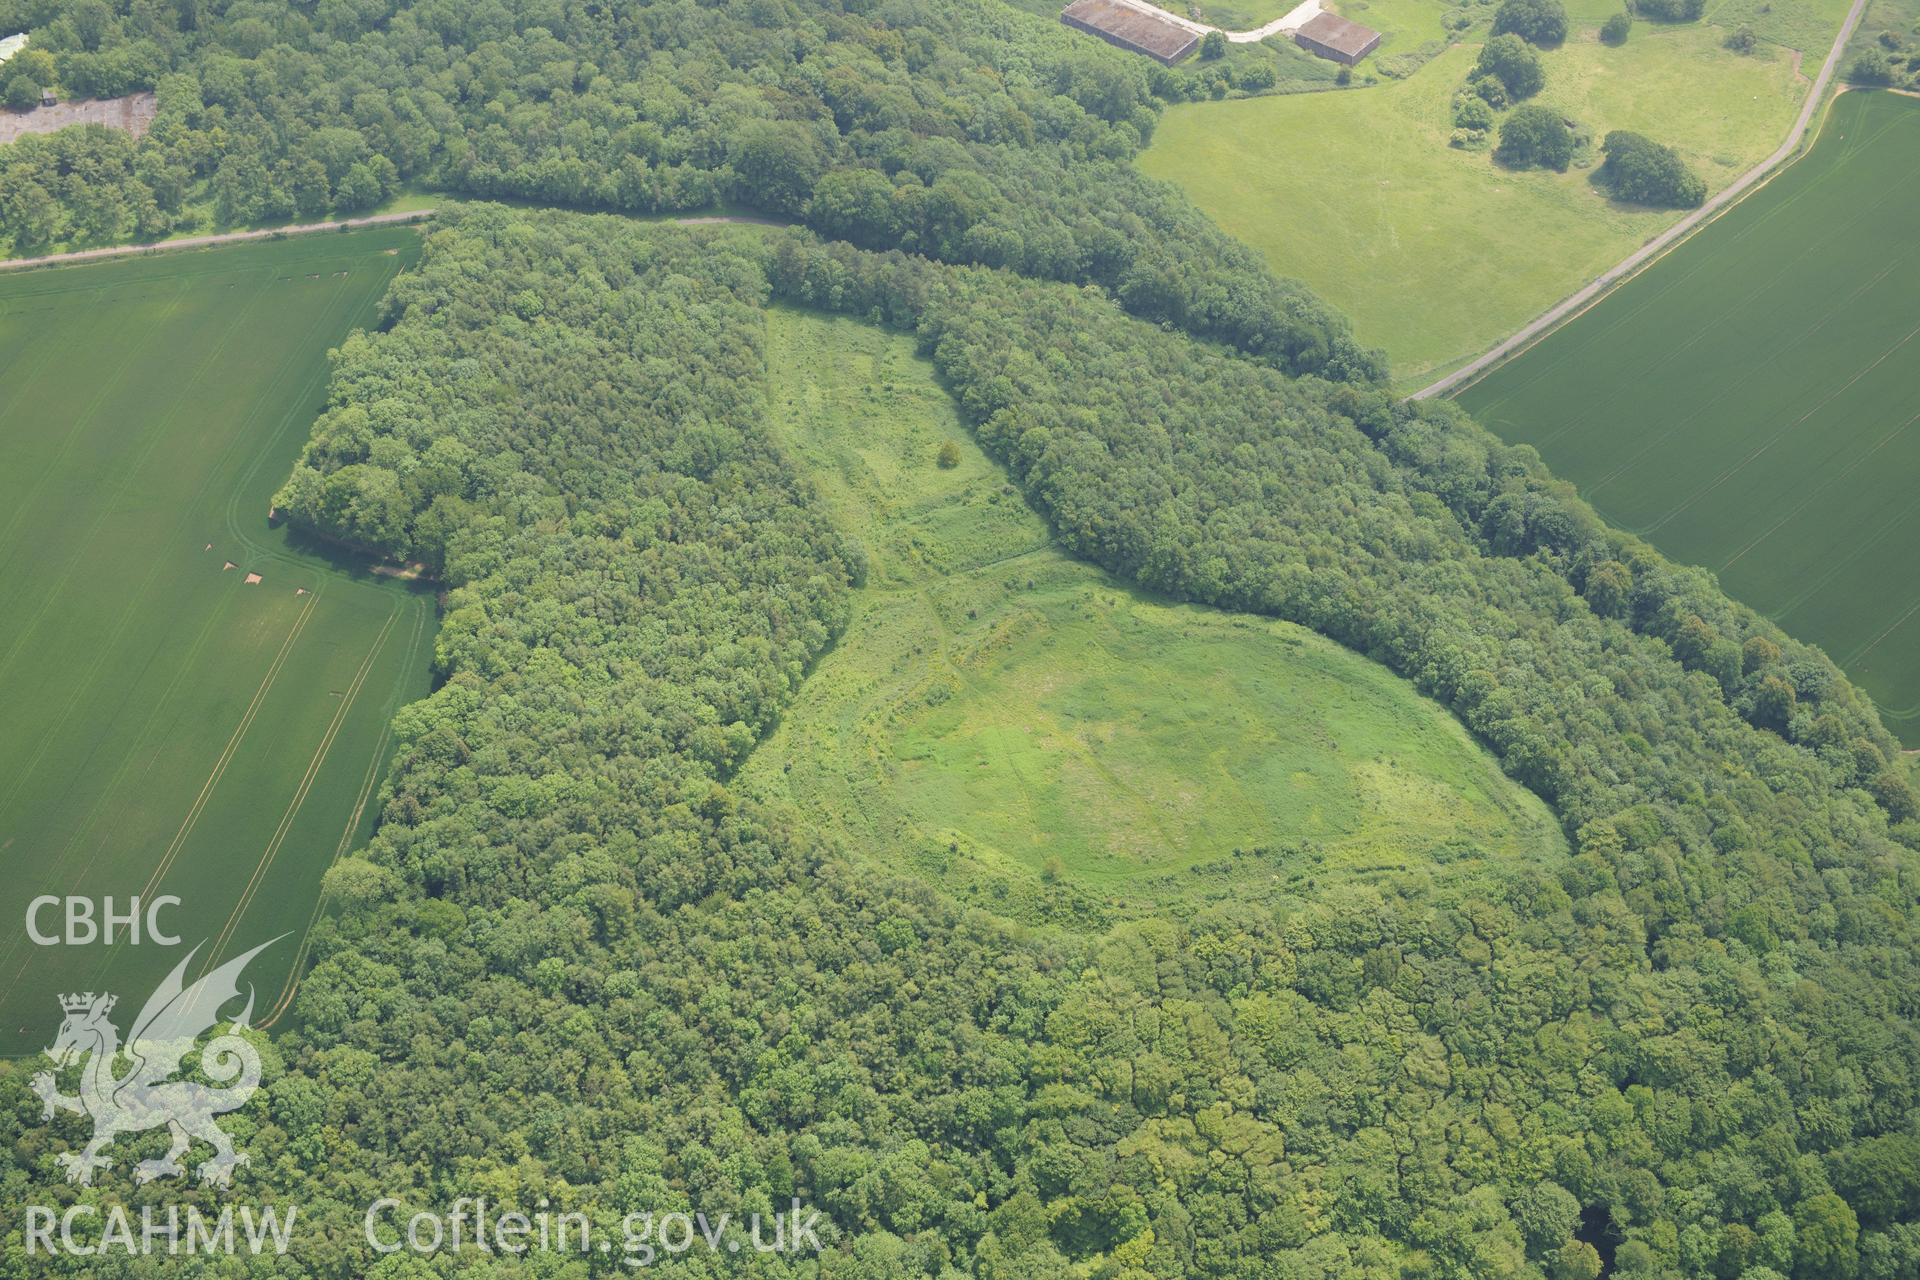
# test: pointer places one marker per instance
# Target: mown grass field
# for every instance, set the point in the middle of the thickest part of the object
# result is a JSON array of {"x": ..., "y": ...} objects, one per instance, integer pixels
[
  {"x": 1751, "y": 402},
  {"x": 171, "y": 728},
  {"x": 1435, "y": 252},
  {"x": 1021, "y": 729}
]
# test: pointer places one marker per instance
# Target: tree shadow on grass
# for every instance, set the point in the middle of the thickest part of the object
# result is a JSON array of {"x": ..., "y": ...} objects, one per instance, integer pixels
[{"x": 359, "y": 563}]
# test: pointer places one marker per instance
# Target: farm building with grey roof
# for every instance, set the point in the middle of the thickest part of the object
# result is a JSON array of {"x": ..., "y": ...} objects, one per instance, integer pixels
[
  {"x": 1136, "y": 28},
  {"x": 1331, "y": 36}
]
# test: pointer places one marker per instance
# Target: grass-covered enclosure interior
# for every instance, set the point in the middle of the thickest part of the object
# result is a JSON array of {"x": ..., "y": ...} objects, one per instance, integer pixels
[{"x": 1045, "y": 741}]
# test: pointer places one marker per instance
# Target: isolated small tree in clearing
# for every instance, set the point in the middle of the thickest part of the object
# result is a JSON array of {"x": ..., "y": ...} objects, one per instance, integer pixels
[
  {"x": 1645, "y": 172},
  {"x": 1535, "y": 137}
]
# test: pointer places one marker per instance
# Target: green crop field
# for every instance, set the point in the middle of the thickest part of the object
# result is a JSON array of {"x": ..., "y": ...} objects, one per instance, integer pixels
[
  {"x": 1001, "y": 717},
  {"x": 1437, "y": 253},
  {"x": 171, "y": 726},
  {"x": 1750, "y": 402}
]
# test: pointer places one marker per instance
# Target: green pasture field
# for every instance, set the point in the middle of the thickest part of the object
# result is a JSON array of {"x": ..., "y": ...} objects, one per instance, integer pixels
[
  {"x": 1404, "y": 25},
  {"x": 1016, "y": 726},
  {"x": 169, "y": 727},
  {"x": 1751, "y": 402},
  {"x": 1807, "y": 25},
  {"x": 1436, "y": 253}
]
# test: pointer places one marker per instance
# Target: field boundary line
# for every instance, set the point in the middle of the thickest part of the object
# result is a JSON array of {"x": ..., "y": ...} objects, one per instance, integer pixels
[
  {"x": 202, "y": 242},
  {"x": 1780, "y": 348},
  {"x": 371, "y": 776},
  {"x": 1631, "y": 265},
  {"x": 107, "y": 252},
  {"x": 1592, "y": 414},
  {"x": 1545, "y": 368},
  {"x": 296, "y": 412}
]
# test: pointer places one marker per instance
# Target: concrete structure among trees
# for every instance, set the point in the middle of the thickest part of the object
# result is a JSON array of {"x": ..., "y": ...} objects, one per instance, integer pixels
[{"x": 1137, "y": 28}]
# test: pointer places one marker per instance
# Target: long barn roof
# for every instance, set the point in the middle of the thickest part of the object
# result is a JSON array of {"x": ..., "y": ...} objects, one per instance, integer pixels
[{"x": 1135, "y": 27}]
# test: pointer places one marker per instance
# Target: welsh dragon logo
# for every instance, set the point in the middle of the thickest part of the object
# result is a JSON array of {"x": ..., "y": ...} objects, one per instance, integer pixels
[{"x": 145, "y": 1095}]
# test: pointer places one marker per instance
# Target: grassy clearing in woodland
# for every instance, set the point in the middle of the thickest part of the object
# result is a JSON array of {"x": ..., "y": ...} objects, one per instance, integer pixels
[
  {"x": 1040, "y": 739},
  {"x": 171, "y": 726},
  {"x": 1748, "y": 403}
]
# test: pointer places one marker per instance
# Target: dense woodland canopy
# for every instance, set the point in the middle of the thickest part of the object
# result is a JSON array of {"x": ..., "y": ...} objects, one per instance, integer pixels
[
  {"x": 574, "y": 965},
  {"x": 962, "y": 129}
]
